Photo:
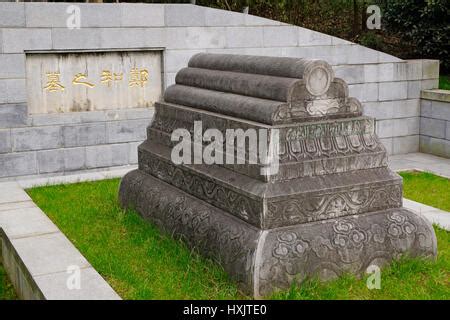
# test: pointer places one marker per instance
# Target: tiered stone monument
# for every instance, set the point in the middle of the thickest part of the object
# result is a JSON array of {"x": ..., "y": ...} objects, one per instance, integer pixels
[{"x": 332, "y": 206}]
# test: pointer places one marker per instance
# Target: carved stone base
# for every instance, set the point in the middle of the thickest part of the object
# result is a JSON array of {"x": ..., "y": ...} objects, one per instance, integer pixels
[{"x": 262, "y": 261}]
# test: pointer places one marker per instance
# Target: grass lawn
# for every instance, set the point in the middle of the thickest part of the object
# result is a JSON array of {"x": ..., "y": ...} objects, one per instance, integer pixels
[
  {"x": 141, "y": 263},
  {"x": 444, "y": 82},
  {"x": 427, "y": 188},
  {"x": 6, "y": 289}
]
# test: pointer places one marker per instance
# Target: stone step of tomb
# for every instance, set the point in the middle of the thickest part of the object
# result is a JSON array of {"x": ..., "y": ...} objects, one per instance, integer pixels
[
  {"x": 269, "y": 205},
  {"x": 305, "y": 149},
  {"x": 263, "y": 261}
]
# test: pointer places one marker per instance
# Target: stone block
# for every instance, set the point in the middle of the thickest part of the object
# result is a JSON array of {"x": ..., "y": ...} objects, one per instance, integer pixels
[
  {"x": 5, "y": 141},
  {"x": 447, "y": 130},
  {"x": 133, "y": 37},
  {"x": 84, "y": 134},
  {"x": 92, "y": 286},
  {"x": 388, "y": 72},
  {"x": 133, "y": 152},
  {"x": 430, "y": 84},
  {"x": 217, "y": 17},
  {"x": 308, "y": 37},
  {"x": 177, "y": 59},
  {"x": 436, "y": 95},
  {"x": 392, "y": 109},
  {"x": 440, "y": 110},
  {"x": 251, "y": 20},
  {"x": 142, "y": 15},
  {"x": 405, "y": 126},
  {"x": 430, "y": 69},
  {"x": 393, "y": 90},
  {"x": 12, "y": 115},
  {"x": 414, "y": 69},
  {"x": 56, "y": 15},
  {"x": 244, "y": 37},
  {"x": 42, "y": 15},
  {"x": 12, "y": 66},
  {"x": 438, "y": 147},
  {"x": 12, "y": 15},
  {"x": 18, "y": 40},
  {"x": 36, "y": 138},
  {"x": 50, "y": 161},
  {"x": 87, "y": 38},
  {"x": 371, "y": 72},
  {"x": 280, "y": 36},
  {"x": 414, "y": 88},
  {"x": 107, "y": 155},
  {"x": 364, "y": 92},
  {"x": 196, "y": 38},
  {"x": 3, "y": 92},
  {"x": 110, "y": 15},
  {"x": 384, "y": 128},
  {"x": 61, "y": 160},
  {"x": 184, "y": 15},
  {"x": 425, "y": 108},
  {"x": 74, "y": 158},
  {"x": 17, "y": 164},
  {"x": 359, "y": 54},
  {"x": 49, "y": 253},
  {"x": 432, "y": 127},
  {"x": 384, "y": 57},
  {"x": 387, "y": 143},
  {"x": 169, "y": 79},
  {"x": 126, "y": 131},
  {"x": 407, "y": 144},
  {"x": 351, "y": 74},
  {"x": 54, "y": 119},
  {"x": 25, "y": 223},
  {"x": 15, "y": 91}
]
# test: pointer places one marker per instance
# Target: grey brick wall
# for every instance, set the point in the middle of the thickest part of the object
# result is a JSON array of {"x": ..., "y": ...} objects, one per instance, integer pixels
[
  {"x": 64, "y": 143},
  {"x": 435, "y": 123},
  {"x": 388, "y": 87}
]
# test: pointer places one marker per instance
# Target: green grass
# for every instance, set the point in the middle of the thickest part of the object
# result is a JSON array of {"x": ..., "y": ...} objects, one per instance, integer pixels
[
  {"x": 444, "y": 82},
  {"x": 141, "y": 263},
  {"x": 427, "y": 188},
  {"x": 6, "y": 289}
]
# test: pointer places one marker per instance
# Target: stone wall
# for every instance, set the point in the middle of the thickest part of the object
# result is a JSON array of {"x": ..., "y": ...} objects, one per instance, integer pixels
[
  {"x": 388, "y": 87},
  {"x": 435, "y": 122}
]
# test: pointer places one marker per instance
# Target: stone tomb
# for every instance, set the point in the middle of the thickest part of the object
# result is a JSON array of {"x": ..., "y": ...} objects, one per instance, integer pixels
[{"x": 332, "y": 206}]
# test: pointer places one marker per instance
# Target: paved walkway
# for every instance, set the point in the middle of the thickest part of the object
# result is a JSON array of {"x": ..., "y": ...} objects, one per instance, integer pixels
[{"x": 421, "y": 162}]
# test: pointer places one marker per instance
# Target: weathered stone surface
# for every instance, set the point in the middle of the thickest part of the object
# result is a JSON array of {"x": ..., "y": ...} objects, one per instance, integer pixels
[
  {"x": 332, "y": 207},
  {"x": 262, "y": 261}
]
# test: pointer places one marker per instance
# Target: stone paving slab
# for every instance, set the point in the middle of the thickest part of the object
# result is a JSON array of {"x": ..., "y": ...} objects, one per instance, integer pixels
[
  {"x": 53, "y": 286},
  {"x": 26, "y": 222},
  {"x": 421, "y": 162},
  {"x": 48, "y": 253}
]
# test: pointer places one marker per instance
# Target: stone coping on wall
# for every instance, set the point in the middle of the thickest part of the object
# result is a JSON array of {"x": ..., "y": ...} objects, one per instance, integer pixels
[
  {"x": 38, "y": 257},
  {"x": 436, "y": 95}
]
